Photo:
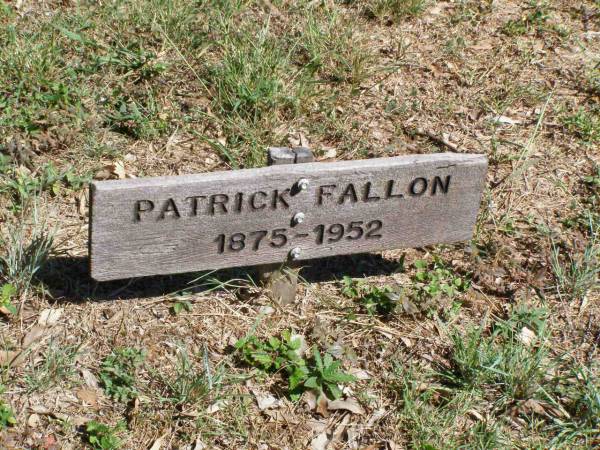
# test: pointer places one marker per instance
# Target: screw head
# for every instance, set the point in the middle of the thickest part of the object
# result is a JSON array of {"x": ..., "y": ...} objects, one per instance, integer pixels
[
  {"x": 295, "y": 253},
  {"x": 302, "y": 184},
  {"x": 298, "y": 217}
]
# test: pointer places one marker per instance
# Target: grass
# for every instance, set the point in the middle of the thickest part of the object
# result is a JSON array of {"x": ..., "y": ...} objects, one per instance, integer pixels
[
  {"x": 27, "y": 244},
  {"x": 576, "y": 273},
  {"x": 488, "y": 345},
  {"x": 190, "y": 385},
  {"x": 56, "y": 368}
]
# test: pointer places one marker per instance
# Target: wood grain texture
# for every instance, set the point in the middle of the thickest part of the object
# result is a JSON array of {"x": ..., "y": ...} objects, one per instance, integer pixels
[{"x": 128, "y": 238}]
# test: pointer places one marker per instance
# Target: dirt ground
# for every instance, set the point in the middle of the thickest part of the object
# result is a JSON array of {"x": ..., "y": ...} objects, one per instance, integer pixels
[{"x": 491, "y": 343}]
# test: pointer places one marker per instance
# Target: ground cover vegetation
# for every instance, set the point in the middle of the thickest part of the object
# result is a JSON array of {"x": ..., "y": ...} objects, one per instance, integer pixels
[{"x": 487, "y": 344}]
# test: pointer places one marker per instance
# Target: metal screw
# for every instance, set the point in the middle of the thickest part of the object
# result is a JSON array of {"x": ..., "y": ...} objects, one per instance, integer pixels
[
  {"x": 295, "y": 253},
  {"x": 298, "y": 218},
  {"x": 302, "y": 184}
]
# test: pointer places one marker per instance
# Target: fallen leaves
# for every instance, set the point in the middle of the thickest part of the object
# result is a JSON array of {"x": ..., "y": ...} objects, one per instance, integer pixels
[
  {"x": 114, "y": 170},
  {"x": 350, "y": 404}
]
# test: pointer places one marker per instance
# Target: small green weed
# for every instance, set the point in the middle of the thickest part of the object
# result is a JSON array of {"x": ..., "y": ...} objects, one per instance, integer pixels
[
  {"x": 7, "y": 416},
  {"x": 325, "y": 375},
  {"x": 394, "y": 9},
  {"x": 373, "y": 299},
  {"x": 585, "y": 124},
  {"x": 103, "y": 437},
  {"x": 581, "y": 390},
  {"x": 118, "y": 372},
  {"x": 534, "y": 20},
  {"x": 321, "y": 373},
  {"x": 436, "y": 279},
  {"x": 7, "y": 292},
  {"x": 179, "y": 306},
  {"x": 22, "y": 185},
  {"x": 512, "y": 359},
  {"x": 277, "y": 355}
]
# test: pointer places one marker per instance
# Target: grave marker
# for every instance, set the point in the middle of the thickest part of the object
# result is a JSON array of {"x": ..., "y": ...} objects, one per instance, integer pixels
[{"x": 175, "y": 224}]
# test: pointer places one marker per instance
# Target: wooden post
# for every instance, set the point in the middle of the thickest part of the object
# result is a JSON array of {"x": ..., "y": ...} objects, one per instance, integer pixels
[{"x": 281, "y": 280}]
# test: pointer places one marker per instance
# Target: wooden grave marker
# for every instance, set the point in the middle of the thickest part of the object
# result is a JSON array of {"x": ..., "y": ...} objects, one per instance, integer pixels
[{"x": 176, "y": 224}]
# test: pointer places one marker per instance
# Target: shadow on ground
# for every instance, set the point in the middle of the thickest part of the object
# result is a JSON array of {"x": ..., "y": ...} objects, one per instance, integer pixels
[{"x": 68, "y": 280}]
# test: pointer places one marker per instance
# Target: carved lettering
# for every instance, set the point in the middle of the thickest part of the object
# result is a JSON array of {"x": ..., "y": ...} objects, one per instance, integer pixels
[
  {"x": 169, "y": 208},
  {"x": 139, "y": 209},
  {"x": 350, "y": 192},
  {"x": 218, "y": 199},
  {"x": 279, "y": 198},
  {"x": 323, "y": 193},
  {"x": 367, "y": 195},
  {"x": 437, "y": 181},
  {"x": 418, "y": 186},
  {"x": 253, "y": 203},
  {"x": 238, "y": 202},
  {"x": 390, "y": 189},
  {"x": 194, "y": 199}
]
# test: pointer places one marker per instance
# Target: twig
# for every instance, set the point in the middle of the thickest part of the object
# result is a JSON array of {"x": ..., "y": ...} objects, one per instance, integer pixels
[{"x": 435, "y": 138}]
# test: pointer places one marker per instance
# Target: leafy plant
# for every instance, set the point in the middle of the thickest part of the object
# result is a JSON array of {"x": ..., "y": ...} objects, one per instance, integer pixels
[
  {"x": 395, "y": 9},
  {"x": 7, "y": 292},
  {"x": 103, "y": 437},
  {"x": 23, "y": 185},
  {"x": 325, "y": 374},
  {"x": 585, "y": 124},
  {"x": 534, "y": 20},
  {"x": 373, "y": 299},
  {"x": 179, "y": 306},
  {"x": 118, "y": 371},
  {"x": 7, "y": 416},
  {"x": 282, "y": 356},
  {"x": 276, "y": 355},
  {"x": 436, "y": 280}
]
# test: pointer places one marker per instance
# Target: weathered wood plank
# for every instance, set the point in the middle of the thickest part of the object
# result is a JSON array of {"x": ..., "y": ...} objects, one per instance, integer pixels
[{"x": 164, "y": 225}]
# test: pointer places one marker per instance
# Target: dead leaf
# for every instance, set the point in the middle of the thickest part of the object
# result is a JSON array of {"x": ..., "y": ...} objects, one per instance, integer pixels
[
  {"x": 216, "y": 406},
  {"x": 7, "y": 356},
  {"x": 34, "y": 335},
  {"x": 527, "y": 336},
  {"x": 316, "y": 426},
  {"x": 409, "y": 307},
  {"x": 329, "y": 152},
  {"x": 113, "y": 170},
  {"x": 88, "y": 396},
  {"x": 359, "y": 374},
  {"x": 199, "y": 445},
  {"x": 33, "y": 421},
  {"x": 265, "y": 401},
  {"x": 350, "y": 404},
  {"x": 303, "y": 141},
  {"x": 406, "y": 341},
  {"x": 320, "y": 442},
  {"x": 310, "y": 398},
  {"x": 49, "y": 317},
  {"x": 158, "y": 443},
  {"x": 321, "y": 407},
  {"x": 49, "y": 443},
  {"x": 90, "y": 378},
  {"x": 82, "y": 203},
  {"x": 504, "y": 120},
  {"x": 532, "y": 406}
]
